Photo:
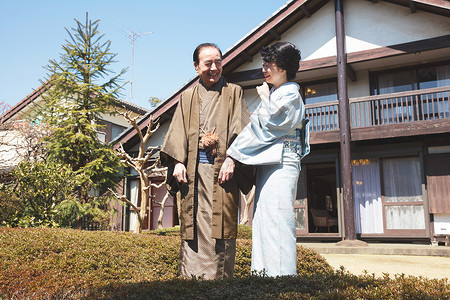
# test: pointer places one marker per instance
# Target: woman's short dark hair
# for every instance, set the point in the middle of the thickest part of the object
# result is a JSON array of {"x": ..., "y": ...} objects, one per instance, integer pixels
[
  {"x": 200, "y": 47},
  {"x": 285, "y": 55}
]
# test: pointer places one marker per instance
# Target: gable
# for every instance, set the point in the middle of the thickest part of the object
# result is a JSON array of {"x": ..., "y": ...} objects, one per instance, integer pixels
[
  {"x": 368, "y": 25},
  {"x": 27, "y": 108},
  {"x": 310, "y": 24}
]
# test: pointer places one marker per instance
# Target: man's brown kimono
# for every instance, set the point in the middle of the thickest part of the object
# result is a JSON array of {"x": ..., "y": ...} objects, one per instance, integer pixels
[{"x": 181, "y": 144}]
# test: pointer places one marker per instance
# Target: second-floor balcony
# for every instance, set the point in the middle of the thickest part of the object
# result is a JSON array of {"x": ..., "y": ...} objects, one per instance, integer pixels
[{"x": 408, "y": 113}]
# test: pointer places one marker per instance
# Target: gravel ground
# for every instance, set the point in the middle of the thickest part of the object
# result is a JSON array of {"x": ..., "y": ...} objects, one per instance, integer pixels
[{"x": 425, "y": 266}]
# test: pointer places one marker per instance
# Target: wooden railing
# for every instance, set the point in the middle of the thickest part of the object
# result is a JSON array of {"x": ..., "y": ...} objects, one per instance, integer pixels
[{"x": 395, "y": 108}]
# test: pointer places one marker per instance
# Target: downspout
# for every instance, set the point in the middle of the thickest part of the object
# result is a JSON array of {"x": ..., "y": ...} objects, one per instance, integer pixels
[{"x": 344, "y": 125}]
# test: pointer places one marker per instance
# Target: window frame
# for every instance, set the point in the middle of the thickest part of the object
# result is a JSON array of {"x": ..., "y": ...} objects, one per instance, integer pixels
[
  {"x": 374, "y": 75},
  {"x": 315, "y": 82}
]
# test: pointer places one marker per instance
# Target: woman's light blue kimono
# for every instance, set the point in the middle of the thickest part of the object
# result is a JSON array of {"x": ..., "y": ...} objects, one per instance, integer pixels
[
  {"x": 266, "y": 142},
  {"x": 261, "y": 141}
]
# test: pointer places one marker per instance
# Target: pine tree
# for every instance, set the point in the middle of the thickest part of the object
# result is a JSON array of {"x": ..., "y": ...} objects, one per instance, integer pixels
[{"x": 82, "y": 87}]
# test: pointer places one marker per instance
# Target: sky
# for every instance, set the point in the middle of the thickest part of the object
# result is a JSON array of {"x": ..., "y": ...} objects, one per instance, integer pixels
[{"x": 166, "y": 33}]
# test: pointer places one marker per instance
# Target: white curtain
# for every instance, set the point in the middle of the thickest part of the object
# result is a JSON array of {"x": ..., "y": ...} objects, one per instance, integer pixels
[
  {"x": 443, "y": 75},
  {"x": 443, "y": 79},
  {"x": 367, "y": 196},
  {"x": 134, "y": 193},
  {"x": 403, "y": 183}
]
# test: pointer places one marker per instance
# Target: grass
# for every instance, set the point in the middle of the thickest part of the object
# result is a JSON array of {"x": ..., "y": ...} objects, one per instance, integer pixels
[{"x": 48, "y": 263}]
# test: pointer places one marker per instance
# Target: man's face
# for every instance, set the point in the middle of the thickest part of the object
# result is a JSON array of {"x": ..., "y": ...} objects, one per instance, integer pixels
[{"x": 209, "y": 67}]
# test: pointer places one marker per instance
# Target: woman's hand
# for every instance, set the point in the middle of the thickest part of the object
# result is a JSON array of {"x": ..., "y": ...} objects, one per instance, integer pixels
[
  {"x": 226, "y": 171},
  {"x": 263, "y": 91},
  {"x": 179, "y": 172}
]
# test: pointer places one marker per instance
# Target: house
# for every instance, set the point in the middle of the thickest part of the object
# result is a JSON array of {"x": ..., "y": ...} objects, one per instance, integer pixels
[
  {"x": 375, "y": 79},
  {"x": 13, "y": 145}
]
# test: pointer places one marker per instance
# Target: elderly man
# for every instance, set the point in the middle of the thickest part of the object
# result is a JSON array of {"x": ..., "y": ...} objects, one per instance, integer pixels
[{"x": 208, "y": 118}]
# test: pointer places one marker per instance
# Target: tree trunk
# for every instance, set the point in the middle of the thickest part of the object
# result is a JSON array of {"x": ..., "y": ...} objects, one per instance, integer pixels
[
  {"x": 80, "y": 224},
  {"x": 248, "y": 201},
  {"x": 179, "y": 207},
  {"x": 161, "y": 211},
  {"x": 143, "y": 208}
]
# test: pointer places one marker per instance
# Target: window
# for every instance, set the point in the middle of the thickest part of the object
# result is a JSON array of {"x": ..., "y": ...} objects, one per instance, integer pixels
[
  {"x": 320, "y": 92},
  {"x": 116, "y": 130},
  {"x": 388, "y": 195},
  {"x": 429, "y": 105},
  {"x": 321, "y": 117},
  {"x": 396, "y": 82},
  {"x": 407, "y": 79},
  {"x": 403, "y": 193}
]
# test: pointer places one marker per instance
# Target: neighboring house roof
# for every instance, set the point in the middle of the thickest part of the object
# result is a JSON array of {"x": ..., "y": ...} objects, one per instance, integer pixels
[
  {"x": 22, "y": 104},
  {"x": 16, "y": 109},
  {"x": 271, "y": 30}
]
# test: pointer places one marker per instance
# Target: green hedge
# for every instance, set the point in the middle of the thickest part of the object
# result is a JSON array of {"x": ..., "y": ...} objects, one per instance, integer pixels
[{"x": 48, "y": 263}]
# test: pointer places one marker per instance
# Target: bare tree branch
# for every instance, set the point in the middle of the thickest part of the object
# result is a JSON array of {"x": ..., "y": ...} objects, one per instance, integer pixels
[
  {"x": 141, "y": 162},
  {"x": 158, "y": 185},
  {"x": 124, "y": 199}
]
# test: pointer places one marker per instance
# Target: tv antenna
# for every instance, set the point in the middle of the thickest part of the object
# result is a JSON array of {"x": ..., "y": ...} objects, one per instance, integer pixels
[{"x": 133, "y": 36}]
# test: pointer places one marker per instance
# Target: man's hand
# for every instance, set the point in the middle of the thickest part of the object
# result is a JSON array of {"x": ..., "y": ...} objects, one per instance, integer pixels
[
  {"x": 263, "y": 91},
  {"x": 226, "y": 171},
  {"x": 179, "y": 172}
]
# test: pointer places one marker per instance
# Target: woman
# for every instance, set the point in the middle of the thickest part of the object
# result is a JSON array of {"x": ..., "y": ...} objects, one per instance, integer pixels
[{"x": 270, "y": 142}]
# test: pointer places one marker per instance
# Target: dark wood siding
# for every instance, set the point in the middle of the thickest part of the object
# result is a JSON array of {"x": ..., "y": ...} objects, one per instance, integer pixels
[{"x": 438, "y": 179}]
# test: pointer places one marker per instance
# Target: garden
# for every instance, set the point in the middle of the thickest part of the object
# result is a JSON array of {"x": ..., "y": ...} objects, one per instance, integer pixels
[{"x": 56, "y": 263}]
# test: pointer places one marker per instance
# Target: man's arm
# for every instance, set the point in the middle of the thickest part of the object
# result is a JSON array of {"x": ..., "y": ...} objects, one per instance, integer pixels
[{"x": 179, "y": 172}]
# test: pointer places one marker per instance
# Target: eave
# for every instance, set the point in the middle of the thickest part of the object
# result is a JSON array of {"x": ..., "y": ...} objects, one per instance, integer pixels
[{"x": 272, "y": 29}]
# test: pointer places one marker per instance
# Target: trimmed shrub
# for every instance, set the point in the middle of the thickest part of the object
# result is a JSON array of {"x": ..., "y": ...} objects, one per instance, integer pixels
[
  {"x": 10, "y": 206},
  {"x": 244, "y": 232},
  {"x": 45, "y": 263}
]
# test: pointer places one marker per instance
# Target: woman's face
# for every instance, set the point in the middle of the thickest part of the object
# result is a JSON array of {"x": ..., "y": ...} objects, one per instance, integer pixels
[
  {"x": 273, "y": 74},
  {"x": 209, "y": 67}
]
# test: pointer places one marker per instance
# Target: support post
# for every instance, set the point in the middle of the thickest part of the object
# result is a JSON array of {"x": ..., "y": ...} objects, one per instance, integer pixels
[{"x": 344, "y": 125}]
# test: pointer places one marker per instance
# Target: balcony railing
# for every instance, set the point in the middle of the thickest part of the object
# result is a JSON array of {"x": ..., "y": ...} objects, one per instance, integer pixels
[{"x": 395, "y": 108}]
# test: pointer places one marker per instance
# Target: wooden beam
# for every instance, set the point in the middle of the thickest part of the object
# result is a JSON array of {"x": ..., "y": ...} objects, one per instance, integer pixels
[
  {"x": 245, "y": 75},
  {"x": 279, "y": 18},
  {"x": 351, "y": 74},
  {"x": 387, "y": 131},
  {"x": 412, "y": 6},
  {"x": 426, "y": 127},
  {"x": 275, "y": 34},
  {"x": 306, "y": 11},
  {"x": 354, "y": 57},
  {"x": 399, "y": 49},
  {"x": 246, "y": 56},
  {"x": 324, "y": 137}
]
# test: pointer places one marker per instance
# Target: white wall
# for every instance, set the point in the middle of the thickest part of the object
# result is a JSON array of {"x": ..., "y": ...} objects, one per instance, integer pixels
[
  {"x": 157, "y": 138},
  {"x": 251, "y": 99},
  {"x": 116, "y": 119},
  {"x": 361, "y": 87},
  {"x": 12, "y": 149},
  {"x": 314, "y": 37},
  {"x": 442, "y": 223},
  {"x": 367, "y": 25},
  {"x": 370, "y": 25}
]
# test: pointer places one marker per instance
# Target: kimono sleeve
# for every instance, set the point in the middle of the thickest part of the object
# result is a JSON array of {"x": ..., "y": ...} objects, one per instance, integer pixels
[
  {"x": 175, "y": 143},
  {"x": 268, "y": 125},
  {"x": 174, "y": 148}
]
